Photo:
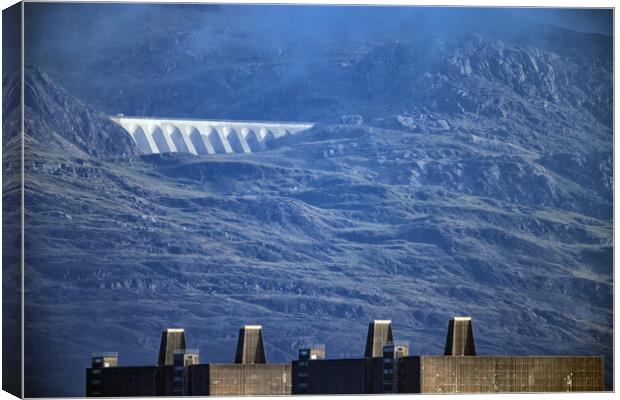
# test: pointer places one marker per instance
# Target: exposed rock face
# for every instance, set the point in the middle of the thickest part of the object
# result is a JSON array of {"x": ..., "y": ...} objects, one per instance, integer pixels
[
  {"x": 57, "y": 119},
  {"x": 200, "y": 69}
]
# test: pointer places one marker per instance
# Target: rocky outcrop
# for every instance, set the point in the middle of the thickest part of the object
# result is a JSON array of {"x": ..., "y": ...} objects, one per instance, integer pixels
[{"x": 57, "y": 119}]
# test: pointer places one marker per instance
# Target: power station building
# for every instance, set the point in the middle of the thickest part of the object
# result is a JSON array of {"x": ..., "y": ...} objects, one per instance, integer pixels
[
  {"x": 179, "y": 373},
  {"x": 386, "y": 367}
]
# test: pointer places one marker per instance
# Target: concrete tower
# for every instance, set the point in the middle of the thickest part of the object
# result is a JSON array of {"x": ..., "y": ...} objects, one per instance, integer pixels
[
  {"x": 460, "y": 339},
  {"x": 379, "y": 333},
  {"x": 250, "y": 349},
  {"x": 171, "y": 340}
]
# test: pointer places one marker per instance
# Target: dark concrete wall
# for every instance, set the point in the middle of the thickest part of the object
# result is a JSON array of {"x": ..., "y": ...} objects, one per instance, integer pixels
[
  {"x": 341, "y": 376},
  {"x": 200, "y": 379},
  {"x": 121, "y": 381},
  {"x": 346, "y": 376}
]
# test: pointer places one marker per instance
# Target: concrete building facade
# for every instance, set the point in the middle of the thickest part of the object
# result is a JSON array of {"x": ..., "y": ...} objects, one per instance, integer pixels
[
  {"x": 178, "y": 371},
  {"x": 507, "y": 374},
  {"x": 459, "y": 370},
  {"x": 386, "y": 367}
]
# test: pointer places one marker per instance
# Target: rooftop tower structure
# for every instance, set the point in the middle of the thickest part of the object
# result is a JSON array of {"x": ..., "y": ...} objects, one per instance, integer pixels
[
  {"x": 460, "y": 338},
  {"x": 181, "y": 382},
  {"x": 312, "y": 352},
  {"x": 172, "y": 339},
  {"x": 306, "y": 353},
  {"x": 379, "y": 333},
  {"x": 106, "y": 359},
  {"x": 393, "y": 352},
  {"x": 99, "y": 361},
  {"x": 186, "y": 357},
  {"x": 250, "y": 349}
]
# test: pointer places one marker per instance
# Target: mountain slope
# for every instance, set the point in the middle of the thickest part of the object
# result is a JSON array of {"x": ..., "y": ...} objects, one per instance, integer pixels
[
  {"x": 353, "y": 61},
  {"x": 415, "y": 217},
  {"x": 57, "y": 119}
]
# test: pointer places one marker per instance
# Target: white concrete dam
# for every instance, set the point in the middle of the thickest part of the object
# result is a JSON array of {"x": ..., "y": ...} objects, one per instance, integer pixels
[{"x": 156, "y": 135}]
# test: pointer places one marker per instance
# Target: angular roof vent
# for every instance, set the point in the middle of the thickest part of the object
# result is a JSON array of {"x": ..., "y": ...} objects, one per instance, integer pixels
[
  {"x": 250, "y": 349},
  {"x": 379, "y": 333},
  {"x": 460, "y": 339},
  {"x": 172, "y": 339}
]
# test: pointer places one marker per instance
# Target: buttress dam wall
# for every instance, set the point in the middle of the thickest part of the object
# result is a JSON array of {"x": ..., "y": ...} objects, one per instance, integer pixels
[{"x": 157, "y": 135}]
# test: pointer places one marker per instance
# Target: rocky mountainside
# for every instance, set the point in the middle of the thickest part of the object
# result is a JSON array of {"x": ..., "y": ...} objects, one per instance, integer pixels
[
  {"x": 462, "y": 176},
  {"x": 58, "y": 120},
  {"x": 206, "y": 67}
]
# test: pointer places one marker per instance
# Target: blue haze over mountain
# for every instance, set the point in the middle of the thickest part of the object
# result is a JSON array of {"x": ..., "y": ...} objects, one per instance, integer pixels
[{"x": 461, "y": 165}]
